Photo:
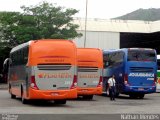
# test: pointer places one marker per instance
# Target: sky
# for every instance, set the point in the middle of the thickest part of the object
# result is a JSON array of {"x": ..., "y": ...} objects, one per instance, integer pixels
[{"x": 102, "y": 9}]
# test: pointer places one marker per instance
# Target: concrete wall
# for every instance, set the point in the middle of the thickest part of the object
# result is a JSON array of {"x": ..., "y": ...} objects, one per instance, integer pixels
[{"x": 99, "y": 39}]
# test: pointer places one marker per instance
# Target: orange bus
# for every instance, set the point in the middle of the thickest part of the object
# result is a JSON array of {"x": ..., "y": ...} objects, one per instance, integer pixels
[
  {"x": 43, "y": 69},
  {"x": 90, "y": 65}
]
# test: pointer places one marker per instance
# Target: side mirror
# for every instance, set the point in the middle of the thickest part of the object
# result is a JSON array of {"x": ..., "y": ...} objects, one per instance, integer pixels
[{"x": 7, "y": 62}]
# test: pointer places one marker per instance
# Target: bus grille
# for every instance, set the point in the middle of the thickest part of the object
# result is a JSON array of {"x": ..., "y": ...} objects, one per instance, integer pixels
[
  {"x": 54, "y": 66},
  {"x": 62, "y": 88},
  {"x": 91, "y": 85},
  {"x": 141, "y": 69},
  {"x": 87, "y": 69}
]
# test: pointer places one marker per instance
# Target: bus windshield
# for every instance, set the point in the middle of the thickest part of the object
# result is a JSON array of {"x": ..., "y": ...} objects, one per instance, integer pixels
[{"x": 141, "y": 55}]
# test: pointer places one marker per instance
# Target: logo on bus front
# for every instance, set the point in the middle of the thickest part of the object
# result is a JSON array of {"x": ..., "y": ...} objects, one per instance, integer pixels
[
  {"x": 141, "y": 75},
  {"x": 55, "y": 75},
  {"x": 88, "y": 76}
]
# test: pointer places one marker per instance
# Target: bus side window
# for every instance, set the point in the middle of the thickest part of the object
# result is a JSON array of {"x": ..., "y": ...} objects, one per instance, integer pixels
[
  {"x": 12, "y": 59},
  {"x": 116, "y": 59},
  {"x": 25, "y": 57},
  {"x": 105, "y": 60}
]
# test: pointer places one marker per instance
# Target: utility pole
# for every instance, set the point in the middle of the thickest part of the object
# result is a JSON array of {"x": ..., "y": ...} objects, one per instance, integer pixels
[{"x": 85, "y": 24}]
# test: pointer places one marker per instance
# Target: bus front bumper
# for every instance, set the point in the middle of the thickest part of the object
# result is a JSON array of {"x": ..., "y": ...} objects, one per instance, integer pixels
[
  {"x": 89, "y": 91},
  {"x": 52, "y": 94},
  {"x": 140, "y": 89}
]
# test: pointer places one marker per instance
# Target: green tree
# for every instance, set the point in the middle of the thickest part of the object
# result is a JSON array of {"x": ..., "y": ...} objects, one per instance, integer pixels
[
  {"x": 37, "y": 22},
  {"x": 44, "y": 20},
  {"x": 8, "y": 23},
  {"x": 52, "y": 21}
]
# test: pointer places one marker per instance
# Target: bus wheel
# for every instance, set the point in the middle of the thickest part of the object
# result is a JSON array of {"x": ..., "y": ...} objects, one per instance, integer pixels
[
  {"x": 88, "y": 97},
  {"x": 12, "y": 96},
  {"x": 141, "y": 96},
  {"x": 133, "y": 96},
  {"x": 24, "y": 101},
  {"x": 60, "y": 101}
]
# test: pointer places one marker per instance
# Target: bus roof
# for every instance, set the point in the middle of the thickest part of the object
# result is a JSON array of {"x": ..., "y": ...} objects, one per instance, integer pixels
[
  {"x": 52, "y": 51},
  {"x": 90, "y": 55},
  {"x": 112, "y": 50},
  {"x": 138, "y": 49},
  {"x": 29, "y": 42}
]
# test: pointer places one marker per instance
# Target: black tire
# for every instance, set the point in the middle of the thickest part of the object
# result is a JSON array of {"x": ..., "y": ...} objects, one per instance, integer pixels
[
  {"x": 13, "y": 96},
  {"x": 60, "y": 101},
  {"x": 88, "y": 97},
  {"x": 24, "y": 101},
  {"x": 141, "y": 96},
  {"x": 133, "y": 96}
]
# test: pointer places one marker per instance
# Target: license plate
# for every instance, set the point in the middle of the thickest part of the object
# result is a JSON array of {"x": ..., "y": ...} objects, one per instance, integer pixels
[
  {"x": 140, "y": 89},
  {"x": 84, "y": 90},
  {"x": 54, "y": 94}
]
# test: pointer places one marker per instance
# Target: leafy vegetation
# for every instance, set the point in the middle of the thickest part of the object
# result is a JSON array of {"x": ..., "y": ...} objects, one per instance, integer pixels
[
  {"x": 42, "y": 21},
  {"x": 36, "y": 22}
]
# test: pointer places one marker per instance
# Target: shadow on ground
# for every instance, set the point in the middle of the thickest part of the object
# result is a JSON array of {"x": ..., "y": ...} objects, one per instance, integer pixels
[{"x": 43, "y": 103}]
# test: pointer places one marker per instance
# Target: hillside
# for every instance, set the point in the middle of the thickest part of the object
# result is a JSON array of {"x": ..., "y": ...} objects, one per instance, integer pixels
[{"x": 151, "y": 14}]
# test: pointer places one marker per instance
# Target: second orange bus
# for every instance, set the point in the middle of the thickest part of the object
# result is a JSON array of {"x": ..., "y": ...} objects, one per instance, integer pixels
[{"x": 90, "y": 65}]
